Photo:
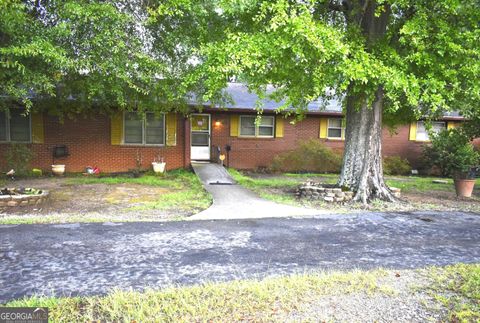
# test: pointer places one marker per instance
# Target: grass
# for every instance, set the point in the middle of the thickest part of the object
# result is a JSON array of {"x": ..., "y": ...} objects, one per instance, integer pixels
[
  {"x": 288, "y": 180},
  {"x": 183, "y": 194},
  {"x": 457, "y": 287},
  {"x": 280, "y": 188},
  {"x": 186, "y": 193},
  {"x": 247, "y": 300}
]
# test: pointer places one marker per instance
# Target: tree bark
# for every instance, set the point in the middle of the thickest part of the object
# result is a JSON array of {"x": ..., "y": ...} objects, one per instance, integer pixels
[{"x": 362, "y": 170}]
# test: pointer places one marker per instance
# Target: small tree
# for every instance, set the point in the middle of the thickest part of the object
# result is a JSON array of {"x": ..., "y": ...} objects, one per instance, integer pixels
[{"x": 452, "y": 152}]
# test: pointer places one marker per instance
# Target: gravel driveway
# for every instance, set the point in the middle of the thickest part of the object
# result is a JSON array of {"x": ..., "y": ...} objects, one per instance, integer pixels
[{"x": 84, "y": 259}]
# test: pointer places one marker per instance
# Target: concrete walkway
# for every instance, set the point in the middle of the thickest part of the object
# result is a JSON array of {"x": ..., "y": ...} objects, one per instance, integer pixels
[
  {"x": 231, "y": 201},
  {"x": 93, "y": 258}
]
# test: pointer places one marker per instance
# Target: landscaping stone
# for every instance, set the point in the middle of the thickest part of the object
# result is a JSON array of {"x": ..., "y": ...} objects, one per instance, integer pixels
[
  {"x": 329, "y": 193},
  {"x": 12, "y": 197},
  {"x": 440, "y": 181},
  {"x": 325, "y": 192}
]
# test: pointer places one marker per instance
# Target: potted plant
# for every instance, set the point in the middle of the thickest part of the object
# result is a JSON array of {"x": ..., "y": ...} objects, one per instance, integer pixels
[
  {"x": 58, "y": 170},
  {"x": 453, "y": 153},
  {"x": 158, "y": 165}
]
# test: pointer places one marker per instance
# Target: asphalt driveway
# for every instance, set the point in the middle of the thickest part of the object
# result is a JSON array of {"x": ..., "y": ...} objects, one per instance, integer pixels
[{"x": 85, "y": 259}]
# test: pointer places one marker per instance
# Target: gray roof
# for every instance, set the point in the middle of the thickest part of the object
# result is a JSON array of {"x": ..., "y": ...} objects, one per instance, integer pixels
[{"x": 243, "y": 99}]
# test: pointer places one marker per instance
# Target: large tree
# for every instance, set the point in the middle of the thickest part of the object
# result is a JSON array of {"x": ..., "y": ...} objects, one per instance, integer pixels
[
  {"x": 80, "y": 56},
  {"x": 391, "y": 60}
]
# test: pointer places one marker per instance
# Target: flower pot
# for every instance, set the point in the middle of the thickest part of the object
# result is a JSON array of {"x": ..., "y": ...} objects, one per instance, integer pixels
[
  {"x": 58, "y": 170},
  {"x": 159, "y": 168},
  {"x": 464, "y": 187}
]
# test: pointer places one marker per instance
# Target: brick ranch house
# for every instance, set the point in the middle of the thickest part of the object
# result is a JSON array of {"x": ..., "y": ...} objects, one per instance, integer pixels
[{"x": 113, "y": 143}]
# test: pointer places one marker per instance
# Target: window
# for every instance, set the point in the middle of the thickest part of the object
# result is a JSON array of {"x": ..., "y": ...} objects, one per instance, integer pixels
[
  {"x": 336, "y": 129},
  {"x": 14, "y": 126},
  {"x": 144, "y": 130},
  {"x": 264, "y": 128},
  {"x": 422, "y": 133}
]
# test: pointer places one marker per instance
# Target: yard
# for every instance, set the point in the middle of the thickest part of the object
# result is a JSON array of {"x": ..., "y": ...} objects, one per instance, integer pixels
[
  {"x": 418, "y": 193},
  {"x": 439, "y": 294},
  {"x": 111, "y": 198}
]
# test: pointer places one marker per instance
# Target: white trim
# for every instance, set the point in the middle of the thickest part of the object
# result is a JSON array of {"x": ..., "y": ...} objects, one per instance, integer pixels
[
  {"x": 7, "y": 129},
  {"x": 144, "y": 132},
  {"x": 257, "y": 127},
  {"x": 201, "y": 152}
]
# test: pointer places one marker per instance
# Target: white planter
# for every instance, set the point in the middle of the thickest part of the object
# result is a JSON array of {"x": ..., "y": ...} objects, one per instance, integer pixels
[
  {"x": 58, "y": 170},
  {"x": 159, "y": 168}
]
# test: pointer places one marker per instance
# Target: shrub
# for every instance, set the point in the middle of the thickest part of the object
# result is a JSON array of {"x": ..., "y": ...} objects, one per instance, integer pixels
[
  {"x": 453, "y": 153},
  {"x": 309, "y": 156},
  {"x": 395, "y": 165},
  {"x": 18, "y": 157}
]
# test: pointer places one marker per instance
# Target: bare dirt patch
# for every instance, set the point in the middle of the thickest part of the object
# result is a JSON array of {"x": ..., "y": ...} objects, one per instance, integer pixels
[
  {"x": 419, "y": 194},
  {"x": 112, "y": 201}
]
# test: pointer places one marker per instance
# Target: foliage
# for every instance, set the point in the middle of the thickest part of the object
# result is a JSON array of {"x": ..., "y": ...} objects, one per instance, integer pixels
[
  {"x": 453, "y": 153},
  {"x": 395, "y": 165},
  {"x": 18, "y": 157},
  {"x": 309, "y": 156},
  {"x": 426, "y": 62},
  {"x": 96, "y": 52}
]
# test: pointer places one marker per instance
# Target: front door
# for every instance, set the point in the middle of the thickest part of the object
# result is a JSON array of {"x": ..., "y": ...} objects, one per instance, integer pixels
[{"x": 200, "y": 137}]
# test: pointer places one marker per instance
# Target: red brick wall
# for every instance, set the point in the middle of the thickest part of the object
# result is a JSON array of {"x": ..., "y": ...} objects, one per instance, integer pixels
[
  {"x": 88, "y": 142},
  {"x": 250, "y": 153}
]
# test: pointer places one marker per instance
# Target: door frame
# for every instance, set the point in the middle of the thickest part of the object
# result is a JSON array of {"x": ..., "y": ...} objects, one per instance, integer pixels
[{"x": 196, "y": 151}]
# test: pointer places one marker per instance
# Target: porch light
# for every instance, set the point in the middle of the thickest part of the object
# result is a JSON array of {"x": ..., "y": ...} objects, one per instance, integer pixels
[{"x": 218, "y": 123}]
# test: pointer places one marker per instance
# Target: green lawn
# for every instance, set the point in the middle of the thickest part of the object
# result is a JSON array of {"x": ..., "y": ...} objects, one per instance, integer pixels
[
  {"x": 186, "y": 189},
  {"x": 180, "y": 193},
  {"x": 273, "y": 299},
  {"x": 188, "y": 192},
  {"x": 406, "y": 183},
  {"x": 421, "y": 193}
]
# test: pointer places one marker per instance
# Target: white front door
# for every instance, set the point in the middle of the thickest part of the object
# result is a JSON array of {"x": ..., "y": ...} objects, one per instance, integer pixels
[{"x": 200, "y": 137}]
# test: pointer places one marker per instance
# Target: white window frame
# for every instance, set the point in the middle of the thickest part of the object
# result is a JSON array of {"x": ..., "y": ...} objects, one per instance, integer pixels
[
  {"x": 444, "y": 125},
  {"x": 342, "y": 129},
  {"x": 257, "y": 127},
  {"x": 144, "y": 131},
  {"x": 7, "y": 129}
]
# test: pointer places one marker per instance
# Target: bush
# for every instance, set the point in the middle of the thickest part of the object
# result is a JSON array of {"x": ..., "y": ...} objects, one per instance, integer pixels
[
  {"x": 18, "y": 157},
  {"x": 395, "y": 165},
  {"x": 309, "y": 156},
  {"x": 453, "y": 153}
]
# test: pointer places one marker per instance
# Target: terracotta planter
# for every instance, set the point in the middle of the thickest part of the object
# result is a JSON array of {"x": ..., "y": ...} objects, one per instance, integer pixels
[
  {"x": 58, "y": 170},
  {"x": 464, "y": 187}
]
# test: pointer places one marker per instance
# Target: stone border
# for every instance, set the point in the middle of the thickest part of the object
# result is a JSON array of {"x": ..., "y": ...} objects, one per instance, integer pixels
[
  {"x": 23, "y": 199},
  {"x": 329, "y": 193}
]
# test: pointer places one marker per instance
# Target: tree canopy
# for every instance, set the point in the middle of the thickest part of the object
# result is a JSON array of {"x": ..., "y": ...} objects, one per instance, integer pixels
[{"x": 78, "y": 56}]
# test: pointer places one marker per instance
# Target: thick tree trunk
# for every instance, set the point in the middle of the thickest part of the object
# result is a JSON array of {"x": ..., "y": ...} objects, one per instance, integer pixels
[{"x": 362, "y": 170}]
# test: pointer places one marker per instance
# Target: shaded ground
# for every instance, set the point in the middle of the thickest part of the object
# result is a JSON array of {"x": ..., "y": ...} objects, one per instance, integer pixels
[
  {"x": 417, "y": 193},
  {"x": 85, "y": 259},
  {"x": 232, "y": 201},
  {"x": 109, "y": 199}
]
